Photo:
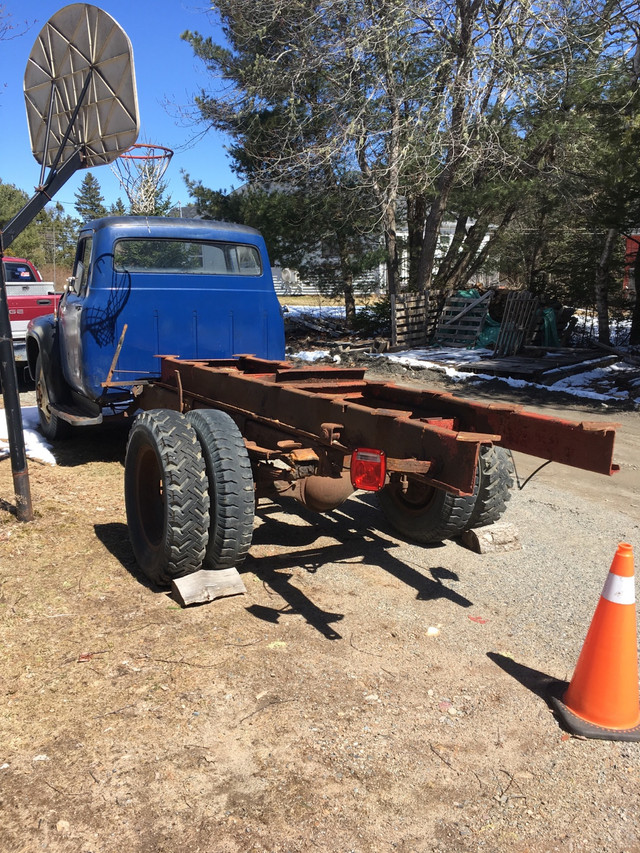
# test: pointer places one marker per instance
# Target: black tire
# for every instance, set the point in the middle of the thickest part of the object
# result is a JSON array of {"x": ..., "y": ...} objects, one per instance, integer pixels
[
  {"x": 51, "y": 426},
  {"x": 166, "y": 496},
  {"x": 425, "y": 514},
  {"x": 231, "y": 491},
  {"x": 495, "y": 476}
]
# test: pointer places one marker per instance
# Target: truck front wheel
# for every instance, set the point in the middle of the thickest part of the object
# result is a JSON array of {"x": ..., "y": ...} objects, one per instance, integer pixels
[
  {"x": 231, "y": 492},
  {"x": 51, "y": 426},
  {"x": 425, "y": 514},
  {"x": 166, "y": 496}
]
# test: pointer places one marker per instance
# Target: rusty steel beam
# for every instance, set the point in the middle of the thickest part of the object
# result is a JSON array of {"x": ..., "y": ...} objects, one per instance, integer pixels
[{"x": 580, "y": 444}]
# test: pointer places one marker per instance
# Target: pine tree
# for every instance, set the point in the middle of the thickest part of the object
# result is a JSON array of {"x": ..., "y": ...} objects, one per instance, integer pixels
[
  {"x": 118, "y": 208},
  {"x": 89, "y": 199},
  {"x": 27, "y": 244}
]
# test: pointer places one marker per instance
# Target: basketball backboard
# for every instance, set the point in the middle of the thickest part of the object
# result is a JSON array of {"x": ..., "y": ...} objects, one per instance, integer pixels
[
  {"x": 82, "y": 111},
  {"x": 79, "y": 88}
]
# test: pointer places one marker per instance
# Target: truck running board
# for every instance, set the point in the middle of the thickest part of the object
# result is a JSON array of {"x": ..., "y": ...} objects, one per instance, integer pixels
[{"x": 74, "y": 415}]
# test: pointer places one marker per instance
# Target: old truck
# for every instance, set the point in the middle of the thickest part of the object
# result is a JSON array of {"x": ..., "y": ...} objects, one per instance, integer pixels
[
  {"x": 175, "y": 325},
  {"x": 28, "y": 296}
]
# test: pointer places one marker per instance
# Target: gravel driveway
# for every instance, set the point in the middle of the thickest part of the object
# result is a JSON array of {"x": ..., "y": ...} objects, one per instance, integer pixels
[{"x": 364, "y": 695}]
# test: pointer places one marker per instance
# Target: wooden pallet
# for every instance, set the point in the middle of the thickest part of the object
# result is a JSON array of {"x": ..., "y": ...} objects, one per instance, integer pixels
[
  {"x": 414, "y": 317},
  {"x": 518, "y": 323},
  {"x": 462, "y": 319}
]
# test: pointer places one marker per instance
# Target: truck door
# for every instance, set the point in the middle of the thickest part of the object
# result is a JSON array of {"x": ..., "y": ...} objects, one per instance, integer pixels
[{"x": 70, "y": 315}]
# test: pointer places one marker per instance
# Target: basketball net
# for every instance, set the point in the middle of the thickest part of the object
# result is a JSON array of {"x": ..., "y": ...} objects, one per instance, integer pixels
[{"x": 140, "y": 171}]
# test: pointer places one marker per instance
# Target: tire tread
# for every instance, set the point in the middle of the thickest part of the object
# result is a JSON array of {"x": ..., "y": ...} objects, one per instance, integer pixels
[
  {"x": 230, "y": 487},
  {"x": 186, "y": 498},
  {"x": 495, "y": 475},
  {"x": 445, "y": 517}
]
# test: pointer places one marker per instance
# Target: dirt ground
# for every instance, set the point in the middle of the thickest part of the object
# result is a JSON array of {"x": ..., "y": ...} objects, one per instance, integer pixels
[{"x": 364, "y": 695}]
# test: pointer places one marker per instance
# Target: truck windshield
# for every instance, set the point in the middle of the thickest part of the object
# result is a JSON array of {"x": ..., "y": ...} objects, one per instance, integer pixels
[{"x": 185, "y": 256}]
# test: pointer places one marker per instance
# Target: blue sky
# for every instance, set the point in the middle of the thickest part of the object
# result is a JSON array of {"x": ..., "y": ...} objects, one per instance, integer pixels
[{"x": 166, "y": 73}]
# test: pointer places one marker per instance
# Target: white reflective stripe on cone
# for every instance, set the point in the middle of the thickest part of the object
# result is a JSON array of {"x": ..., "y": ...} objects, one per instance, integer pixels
[{"x": 619, "y": 590}]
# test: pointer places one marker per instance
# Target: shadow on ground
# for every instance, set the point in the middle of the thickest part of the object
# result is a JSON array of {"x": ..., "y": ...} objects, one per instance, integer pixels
[
  {"x": 104, "y": 443},
  {"x": 356, "y": 540},
  {"x": 115, "y": 538}
]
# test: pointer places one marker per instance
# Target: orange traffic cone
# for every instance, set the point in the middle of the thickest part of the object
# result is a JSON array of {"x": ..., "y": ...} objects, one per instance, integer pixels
[{"x": 602, "y": 700}]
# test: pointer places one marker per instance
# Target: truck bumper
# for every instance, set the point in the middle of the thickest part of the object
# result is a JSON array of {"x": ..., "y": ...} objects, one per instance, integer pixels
[{"x": 20, "y": 351}]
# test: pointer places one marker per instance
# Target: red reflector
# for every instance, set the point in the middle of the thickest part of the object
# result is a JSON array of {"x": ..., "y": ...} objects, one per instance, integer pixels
[{"x": 368, "y": 469}]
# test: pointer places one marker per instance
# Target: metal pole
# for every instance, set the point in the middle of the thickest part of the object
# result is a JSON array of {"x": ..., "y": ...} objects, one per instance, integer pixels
[
  {"x": 8, "y": 375},
  {"x": 43, "y": 196},
  {"x": 9, "y": 380}
]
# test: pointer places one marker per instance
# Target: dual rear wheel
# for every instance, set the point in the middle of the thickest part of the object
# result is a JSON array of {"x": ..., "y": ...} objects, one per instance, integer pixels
[
  {"x": 428, "y": 515},
  {"x": 188, "y": 493},
  {"x": 190, "y": 499}
]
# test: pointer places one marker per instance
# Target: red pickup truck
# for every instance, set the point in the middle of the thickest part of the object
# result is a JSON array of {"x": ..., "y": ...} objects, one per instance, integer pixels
[{"x": 28, "y": 296}]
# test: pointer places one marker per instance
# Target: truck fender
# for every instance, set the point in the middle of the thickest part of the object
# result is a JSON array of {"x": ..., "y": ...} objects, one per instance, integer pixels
[{"x": 43, "y": 341}]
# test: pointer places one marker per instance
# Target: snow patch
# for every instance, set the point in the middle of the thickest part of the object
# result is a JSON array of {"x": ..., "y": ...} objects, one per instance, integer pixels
[{"x": 35, "y": 445}]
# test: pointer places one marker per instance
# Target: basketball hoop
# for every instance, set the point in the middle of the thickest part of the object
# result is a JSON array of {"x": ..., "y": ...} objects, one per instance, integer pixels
[{"x": 140, "y": 171}]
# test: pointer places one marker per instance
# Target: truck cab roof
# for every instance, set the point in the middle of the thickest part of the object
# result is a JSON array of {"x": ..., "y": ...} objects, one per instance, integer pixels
[{"x": 159, "y": 226}]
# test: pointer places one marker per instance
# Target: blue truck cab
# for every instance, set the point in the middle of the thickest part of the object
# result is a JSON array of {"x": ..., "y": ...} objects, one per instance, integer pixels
[{"x": 143, "y": 287}]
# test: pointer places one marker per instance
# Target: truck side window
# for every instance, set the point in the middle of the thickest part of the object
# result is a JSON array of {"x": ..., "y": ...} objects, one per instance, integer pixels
[
  {"x": 248, "y": 260},
  {"x": 15, "y": 271},
  {"x": 81, "y": 272}
]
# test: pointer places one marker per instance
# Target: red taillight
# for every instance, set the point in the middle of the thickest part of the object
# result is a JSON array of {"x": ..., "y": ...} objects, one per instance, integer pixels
[{"x": 368, "y": 469}]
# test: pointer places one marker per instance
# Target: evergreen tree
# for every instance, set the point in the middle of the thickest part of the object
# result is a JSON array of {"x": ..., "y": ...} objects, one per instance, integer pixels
[
  {"x": 89, "y": 199},
  {"x": 565, "y": 240},
  {"x": 328, "y": 235},
  {"x": 59, "y": 236},
  {"x": 27, "y": 244},
  {"x": 118, "y": 208},
  {"x": 422, "y": 98},
  {"x": 50, "y": 240}
]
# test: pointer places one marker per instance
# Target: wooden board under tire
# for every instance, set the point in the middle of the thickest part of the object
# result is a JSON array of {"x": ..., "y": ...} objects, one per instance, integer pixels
[
  {"x": 501, "y": 536},
  {"x": 207, "y": 585}
]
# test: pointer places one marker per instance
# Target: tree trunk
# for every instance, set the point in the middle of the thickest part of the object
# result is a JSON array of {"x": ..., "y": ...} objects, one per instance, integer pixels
[
  {"x": 432, "y": 227},
  {"x": 634, "y": 337},
  {"x": 602, "y": 280},
  {"x": 391, "y": 245},
  {"x": 467, "y": 11},
  {"x": 416, "y": 217},
  {"x": 349, "y": 301},
  {"x": 471, "y": 263},
  {"x": 347, "y": 285},
  {"x": 469, "y": 249},
  {"x": 440, "y": 280}
]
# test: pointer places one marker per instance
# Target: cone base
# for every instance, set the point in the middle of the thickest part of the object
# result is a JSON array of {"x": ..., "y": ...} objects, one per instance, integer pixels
[{"x": 579, "y": 726}]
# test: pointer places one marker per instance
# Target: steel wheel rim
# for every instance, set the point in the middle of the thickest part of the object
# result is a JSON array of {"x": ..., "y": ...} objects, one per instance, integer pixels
[
  {"x": 417, "y": 497},
  {"x": 150, "y": 497}
]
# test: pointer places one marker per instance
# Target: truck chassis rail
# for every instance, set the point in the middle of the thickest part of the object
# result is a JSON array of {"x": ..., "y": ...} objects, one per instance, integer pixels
[{"x": 312, "y": 419}]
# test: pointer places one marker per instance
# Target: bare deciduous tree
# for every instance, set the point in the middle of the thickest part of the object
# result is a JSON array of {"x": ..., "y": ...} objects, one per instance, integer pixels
[{"x": 421, "y": 98}]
